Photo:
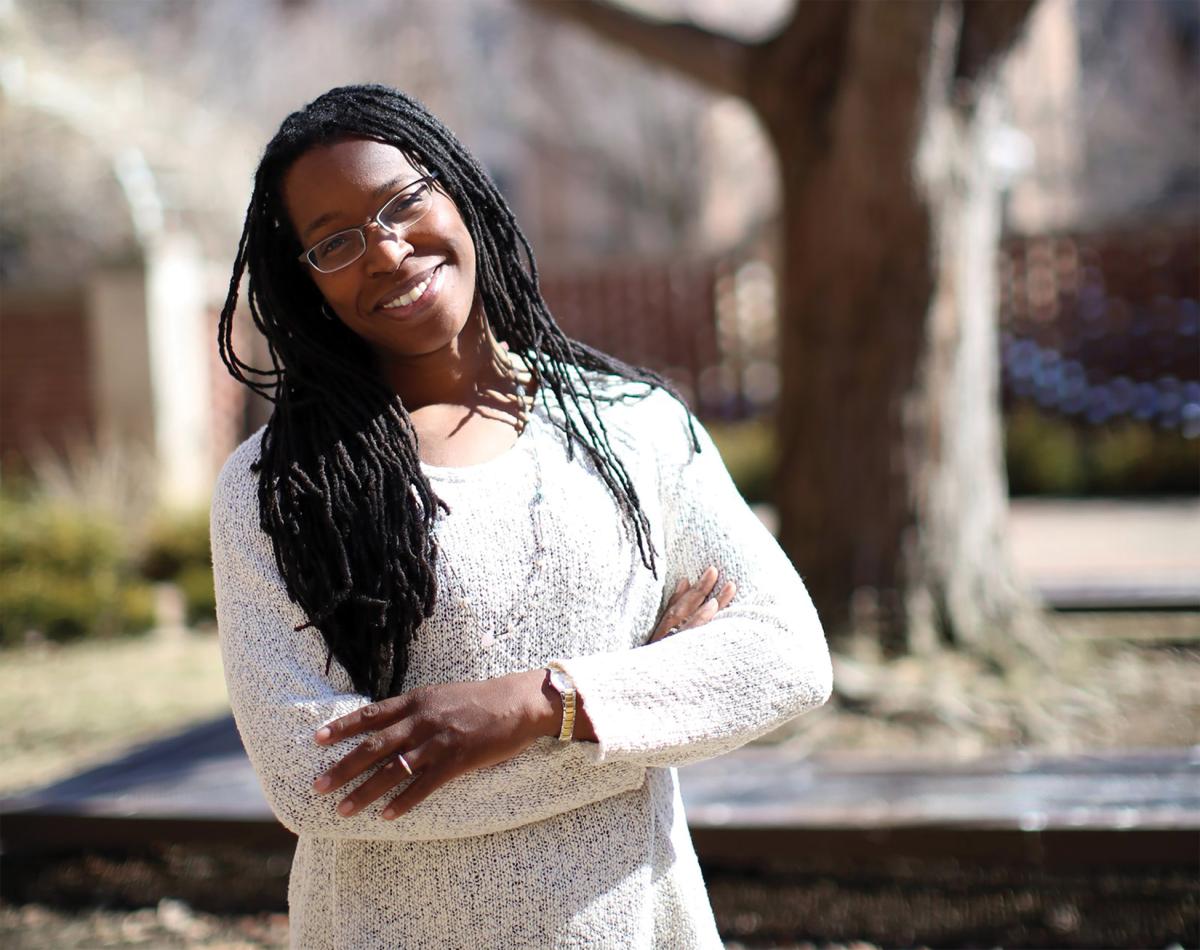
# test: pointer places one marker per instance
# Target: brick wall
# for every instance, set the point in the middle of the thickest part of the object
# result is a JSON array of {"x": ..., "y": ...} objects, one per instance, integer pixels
[
  {"x": 658, "y": 314},
  {"x": 45, "y": 379}
]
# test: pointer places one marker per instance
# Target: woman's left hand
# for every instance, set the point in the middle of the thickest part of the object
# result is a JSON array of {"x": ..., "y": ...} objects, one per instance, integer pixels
[{"x": 443, "y": 732}]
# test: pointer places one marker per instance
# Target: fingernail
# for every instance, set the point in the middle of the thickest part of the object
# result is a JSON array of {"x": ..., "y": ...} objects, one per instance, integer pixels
[
  {"x": 323, "y": 733},
  {"x": 321, "y": 783},
  {"x": 389, "y": 813},
  {"x": 346, "y": 807}
]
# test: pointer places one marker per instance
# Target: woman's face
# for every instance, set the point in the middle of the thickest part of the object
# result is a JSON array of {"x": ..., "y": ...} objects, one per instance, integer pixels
[{"x": 333, "y": 187}]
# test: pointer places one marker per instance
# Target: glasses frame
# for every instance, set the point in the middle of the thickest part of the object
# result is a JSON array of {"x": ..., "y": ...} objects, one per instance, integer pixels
[{"x": 308, "y": 256}]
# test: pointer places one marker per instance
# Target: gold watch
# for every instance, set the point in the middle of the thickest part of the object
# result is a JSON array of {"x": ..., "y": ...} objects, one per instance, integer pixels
[{"x": 566, "y": 692}]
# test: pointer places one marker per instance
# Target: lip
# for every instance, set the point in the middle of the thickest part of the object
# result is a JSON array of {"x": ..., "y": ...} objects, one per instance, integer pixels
[{"x": 437, "y": 273}]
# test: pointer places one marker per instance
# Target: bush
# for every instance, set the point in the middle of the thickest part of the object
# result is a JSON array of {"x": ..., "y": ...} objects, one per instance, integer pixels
[
  {"x": 65, "y": 573},
  {"x": 176, "y": 542},
  {"x": 1052, "y": 455},
  {"x": 1046, "y": 455},
  {"x": 177, "y": 550},
  {"x": 56, "y": 538},
  {"x": 748, "y": 451},
  {"x": 200, "y": 599}
]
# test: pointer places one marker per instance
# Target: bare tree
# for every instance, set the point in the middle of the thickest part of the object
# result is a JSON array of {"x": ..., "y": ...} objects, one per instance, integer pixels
[{"x": 891, "y": 485}]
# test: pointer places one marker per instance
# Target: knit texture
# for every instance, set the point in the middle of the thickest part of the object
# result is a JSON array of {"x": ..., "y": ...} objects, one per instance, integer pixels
[{"x": 575, "y": 844}]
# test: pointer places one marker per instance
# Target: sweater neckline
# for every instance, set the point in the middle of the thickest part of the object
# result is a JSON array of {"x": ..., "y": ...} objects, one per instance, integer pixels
[{"x": 497, "y": 464}]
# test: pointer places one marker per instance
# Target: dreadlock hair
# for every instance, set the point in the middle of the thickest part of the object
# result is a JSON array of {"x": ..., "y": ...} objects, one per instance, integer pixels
[{"x": 341, "y": 492}]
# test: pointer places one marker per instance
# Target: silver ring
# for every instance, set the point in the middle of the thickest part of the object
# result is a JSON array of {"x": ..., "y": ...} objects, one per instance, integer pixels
[
  {"x": 404, "y": 763},
  {"x": 674, "y": 630}
]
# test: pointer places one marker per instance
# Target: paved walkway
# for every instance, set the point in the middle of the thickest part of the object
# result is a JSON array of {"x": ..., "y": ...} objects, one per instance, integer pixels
[
  {"x": 1109, "y": 553},
  {"x": 202, "y": 775},
  {"x": 1098, "y": 554},
  {"x": 1079, "y": 553}
]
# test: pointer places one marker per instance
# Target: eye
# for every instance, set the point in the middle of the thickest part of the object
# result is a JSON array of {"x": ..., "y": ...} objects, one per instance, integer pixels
[
  {"x": 411, "y": 198},
  {"x": 332, "y": 244}
]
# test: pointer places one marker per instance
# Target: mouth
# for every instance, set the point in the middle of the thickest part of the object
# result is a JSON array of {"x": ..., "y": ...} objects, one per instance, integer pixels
[{"x": 414, "y": 295}]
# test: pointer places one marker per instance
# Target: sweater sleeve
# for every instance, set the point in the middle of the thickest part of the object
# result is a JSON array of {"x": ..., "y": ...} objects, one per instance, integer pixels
[
  {"x": 280, "y": 695},
  {"x": 761, "y": 661}
]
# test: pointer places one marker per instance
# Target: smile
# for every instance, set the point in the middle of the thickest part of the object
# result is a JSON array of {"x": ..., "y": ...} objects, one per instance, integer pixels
[{"x": 419, "y": 293}]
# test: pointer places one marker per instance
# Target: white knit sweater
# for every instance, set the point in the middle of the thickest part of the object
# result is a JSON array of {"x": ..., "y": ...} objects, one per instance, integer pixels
[{"x": 569, "y": 844}]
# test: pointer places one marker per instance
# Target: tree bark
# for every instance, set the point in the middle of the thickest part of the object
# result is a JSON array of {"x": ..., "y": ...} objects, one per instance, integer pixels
[{"x": 891, "y": 487}]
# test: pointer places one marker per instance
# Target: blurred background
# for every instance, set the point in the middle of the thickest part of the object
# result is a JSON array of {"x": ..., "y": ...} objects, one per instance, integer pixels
[{"x": 929, "y": 272}]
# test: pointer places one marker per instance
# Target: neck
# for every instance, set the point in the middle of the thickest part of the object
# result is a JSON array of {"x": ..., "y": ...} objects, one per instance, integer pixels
[{"x": 457, "y": 374}]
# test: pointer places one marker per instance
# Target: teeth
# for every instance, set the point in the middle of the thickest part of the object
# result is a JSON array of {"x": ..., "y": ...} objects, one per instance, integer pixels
[{"x": 406, "y": 298}]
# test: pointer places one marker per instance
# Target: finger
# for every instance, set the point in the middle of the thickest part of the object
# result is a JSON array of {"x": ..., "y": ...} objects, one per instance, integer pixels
[
  {"x": 671, "y": 620},
  {"x": 372, "y": 750},
  {"x": 390, "y": 774},
  {"x": 704, "y": 613},
  {"x": 363, "y": 719},
  {"x": 726, "y": 596},
  {"x": 684, "y": 602},
  {"x": 690, "y": 601},
  {"x": 421, "y": 787}
]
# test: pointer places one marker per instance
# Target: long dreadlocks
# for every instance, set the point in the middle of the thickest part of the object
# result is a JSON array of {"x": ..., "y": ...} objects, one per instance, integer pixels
[{"x": 341, "y": 492}]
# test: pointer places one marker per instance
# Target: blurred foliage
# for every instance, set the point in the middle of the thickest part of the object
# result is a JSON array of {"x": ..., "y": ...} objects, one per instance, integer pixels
[
  {"x": 199, "y": 595},
  {"x": 1046, "y": 455},
  {"x": 1053, "y": 455},
  {"x": 81, "y": 548},
  {"x": 177, "y": 551},
  {"x": 748, "y": 450},
  {"x": 65, "y": 574}
]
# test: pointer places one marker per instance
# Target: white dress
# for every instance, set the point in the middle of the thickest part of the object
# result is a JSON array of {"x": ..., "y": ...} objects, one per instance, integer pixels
[{"x": 569, "y": 844}]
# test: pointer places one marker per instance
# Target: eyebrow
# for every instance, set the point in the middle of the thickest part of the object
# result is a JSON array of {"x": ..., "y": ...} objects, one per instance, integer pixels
[{"x": 390, "y": 185}]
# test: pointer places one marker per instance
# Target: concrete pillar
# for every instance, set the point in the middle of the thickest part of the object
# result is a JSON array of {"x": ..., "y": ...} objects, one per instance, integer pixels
[
  {"x": 179, "y": 370},
  {"x": 150, "y": 365},
  {"x": 120, "y": 356}
]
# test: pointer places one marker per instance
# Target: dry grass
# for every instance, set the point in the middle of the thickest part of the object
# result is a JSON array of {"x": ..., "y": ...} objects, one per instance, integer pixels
[
  {"x": 1121, "y": 680},
  {"x": 1117, "y": 680},
  {"x": 72, "y": 707}
]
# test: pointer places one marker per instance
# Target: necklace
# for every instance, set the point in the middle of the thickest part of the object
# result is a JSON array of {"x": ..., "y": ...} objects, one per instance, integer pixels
[{"x": 532, "y": 584}]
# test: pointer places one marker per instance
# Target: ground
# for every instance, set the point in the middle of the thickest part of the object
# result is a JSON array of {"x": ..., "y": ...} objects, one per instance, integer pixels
[
  {"x": 1121, "y": 680},
  {"x": 172, "y": 924},
  {"x": 1118, "y": 680}
]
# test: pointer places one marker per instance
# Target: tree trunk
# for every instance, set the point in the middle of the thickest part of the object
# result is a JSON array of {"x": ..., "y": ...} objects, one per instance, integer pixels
[{"x": 891, "y": 485}]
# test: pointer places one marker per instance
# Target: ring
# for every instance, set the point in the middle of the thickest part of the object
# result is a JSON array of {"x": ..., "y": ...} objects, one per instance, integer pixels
[
  {"x": 674, "y": 630},
  {"x": 404, "y": 763}
]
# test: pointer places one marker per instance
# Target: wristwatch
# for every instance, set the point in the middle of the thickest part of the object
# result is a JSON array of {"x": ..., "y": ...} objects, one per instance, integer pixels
[{"x": 566, "y": 691}]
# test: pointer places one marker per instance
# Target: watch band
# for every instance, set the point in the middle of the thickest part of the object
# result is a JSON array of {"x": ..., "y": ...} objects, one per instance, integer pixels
[{"x": 562, "y": 682}]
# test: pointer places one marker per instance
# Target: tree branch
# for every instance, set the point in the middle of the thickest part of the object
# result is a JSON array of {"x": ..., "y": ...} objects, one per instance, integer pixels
[
  {"x": 712, "y": 59},
  {"x": 989, "y": 28}
]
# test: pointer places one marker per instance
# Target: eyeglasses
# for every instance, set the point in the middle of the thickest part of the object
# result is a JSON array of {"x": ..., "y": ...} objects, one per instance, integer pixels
[{"x": 401, "y": 212}]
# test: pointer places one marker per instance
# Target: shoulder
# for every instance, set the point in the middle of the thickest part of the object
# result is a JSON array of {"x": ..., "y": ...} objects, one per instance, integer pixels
[
  {"x": 235, "y": 494},
  {"x": 647, "y": 418}
]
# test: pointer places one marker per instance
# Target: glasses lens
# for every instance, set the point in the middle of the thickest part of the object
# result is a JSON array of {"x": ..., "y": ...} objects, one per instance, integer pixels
[
  {"x": 338, "y": 250},
  {"x": 407, "y": 206}
]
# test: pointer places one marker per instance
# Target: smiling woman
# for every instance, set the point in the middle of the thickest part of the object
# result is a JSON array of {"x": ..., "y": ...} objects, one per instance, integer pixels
[{"x": 480, "y": 588}]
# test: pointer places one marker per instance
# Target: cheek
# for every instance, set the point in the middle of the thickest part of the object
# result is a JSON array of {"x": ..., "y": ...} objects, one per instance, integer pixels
[{"x": 339, "y": 294}]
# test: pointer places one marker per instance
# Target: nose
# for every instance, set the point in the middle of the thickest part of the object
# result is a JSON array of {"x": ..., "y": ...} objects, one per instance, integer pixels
[{"x": 386, "y": 250}]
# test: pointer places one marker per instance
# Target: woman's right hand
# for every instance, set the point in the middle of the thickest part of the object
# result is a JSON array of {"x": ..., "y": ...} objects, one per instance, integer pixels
[{"x": 693, "y": 605}]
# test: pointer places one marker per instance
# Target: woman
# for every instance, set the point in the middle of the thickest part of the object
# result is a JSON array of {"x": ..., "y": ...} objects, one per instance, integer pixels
[{"x": 449, "y": 568}]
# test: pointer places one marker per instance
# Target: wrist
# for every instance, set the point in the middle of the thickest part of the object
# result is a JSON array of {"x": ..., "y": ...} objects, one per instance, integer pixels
[{"x": 544, "y": 706}]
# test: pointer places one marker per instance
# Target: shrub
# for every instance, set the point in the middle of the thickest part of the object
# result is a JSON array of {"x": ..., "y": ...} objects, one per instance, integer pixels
[
  {"x": 176, "y": 542},
  {"x": 65, "y": 574},
  {"x": 200, "y": 599},
  {"x": 748, "y": 451},
  {"x": 177, "y": 550},
  {"x": 1053, "y": 455}
]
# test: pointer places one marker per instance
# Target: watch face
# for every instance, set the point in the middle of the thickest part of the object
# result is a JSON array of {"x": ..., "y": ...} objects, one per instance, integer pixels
[{"x": 559, "y": 681}]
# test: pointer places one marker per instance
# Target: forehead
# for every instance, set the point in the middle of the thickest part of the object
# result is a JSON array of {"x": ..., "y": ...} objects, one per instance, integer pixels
[{"x": 337, "y": 181}]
